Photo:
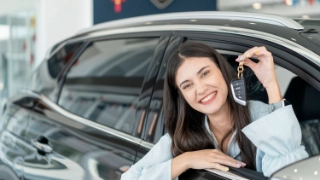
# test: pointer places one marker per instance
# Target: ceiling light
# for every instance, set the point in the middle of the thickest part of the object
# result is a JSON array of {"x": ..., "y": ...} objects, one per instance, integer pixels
[
  {"x": 5, "y": 32},
  {"x": 305, "y": 16},
  {"x": 295, "y": 170},
  {"x": 288, "y": 2},
  {"x": 193, "y": 20},
  {"x": 252, "y": 23},
  {"x": 257, "y": 5},
  {"x": 316, "y": 172}
]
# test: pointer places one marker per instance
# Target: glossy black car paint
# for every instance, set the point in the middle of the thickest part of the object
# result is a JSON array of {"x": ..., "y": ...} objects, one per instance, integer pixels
[{"x": 84, "y": 151}]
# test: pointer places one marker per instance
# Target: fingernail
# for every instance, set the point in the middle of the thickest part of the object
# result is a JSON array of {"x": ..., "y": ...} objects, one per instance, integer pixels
[
  {"x": 241, "y": 58},
  {"x": 256, "y": 53},
  {"x": 239, "y": 165},
  {"x": 247, "y": 55},
  {"x": 227, "y": 169}
]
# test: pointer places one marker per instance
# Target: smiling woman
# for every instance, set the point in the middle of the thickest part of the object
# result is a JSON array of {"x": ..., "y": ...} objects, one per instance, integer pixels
[{"x": 207, "y": 128}]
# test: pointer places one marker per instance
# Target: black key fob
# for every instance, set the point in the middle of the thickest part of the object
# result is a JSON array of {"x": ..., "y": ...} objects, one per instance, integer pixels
[{"x": 238, "y": 90}]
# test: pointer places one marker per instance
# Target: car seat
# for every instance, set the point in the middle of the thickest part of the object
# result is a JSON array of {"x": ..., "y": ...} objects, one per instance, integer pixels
[{"x": 305, "y": 100}]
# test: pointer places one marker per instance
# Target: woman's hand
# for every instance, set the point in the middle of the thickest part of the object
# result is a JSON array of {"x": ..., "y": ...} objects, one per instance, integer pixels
[
  {"x": 264, "y": 70},
  {"x": 211, "y": 158},
  {"x": 203, "y": 159}
]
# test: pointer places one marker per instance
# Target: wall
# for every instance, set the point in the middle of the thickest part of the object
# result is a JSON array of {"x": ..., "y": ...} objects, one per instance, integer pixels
[
  {"x": 104, "y": 10},
  {"x": 60, "y": 19},
  {"x": 13, "y": 6}
]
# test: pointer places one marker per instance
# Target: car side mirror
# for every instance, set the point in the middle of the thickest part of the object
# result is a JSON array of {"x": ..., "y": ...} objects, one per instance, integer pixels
[{"x": 307, "y": 169}]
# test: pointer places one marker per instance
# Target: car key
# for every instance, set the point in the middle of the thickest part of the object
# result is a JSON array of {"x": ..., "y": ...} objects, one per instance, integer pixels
[{"x": 238, "y": 87}]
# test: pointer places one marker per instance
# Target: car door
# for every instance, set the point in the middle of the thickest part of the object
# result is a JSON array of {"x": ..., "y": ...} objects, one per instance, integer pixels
[
  {"x": 93, "y": 130},
  {"x": 293, "y": 69}
]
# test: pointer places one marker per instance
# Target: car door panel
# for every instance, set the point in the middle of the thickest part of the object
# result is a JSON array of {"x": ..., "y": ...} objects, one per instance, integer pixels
[{"x": 80, "y": 150}]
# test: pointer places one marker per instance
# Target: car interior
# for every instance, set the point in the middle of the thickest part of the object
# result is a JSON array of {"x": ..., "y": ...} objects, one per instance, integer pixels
[{"x": 304, "y": 99}]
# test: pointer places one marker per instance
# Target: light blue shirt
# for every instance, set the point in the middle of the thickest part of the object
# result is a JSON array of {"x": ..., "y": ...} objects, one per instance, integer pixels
[{"x": 275, "y": 131}]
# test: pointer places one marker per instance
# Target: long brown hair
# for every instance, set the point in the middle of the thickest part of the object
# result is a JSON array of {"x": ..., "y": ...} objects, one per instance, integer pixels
[{"x": 185, "y": 125}]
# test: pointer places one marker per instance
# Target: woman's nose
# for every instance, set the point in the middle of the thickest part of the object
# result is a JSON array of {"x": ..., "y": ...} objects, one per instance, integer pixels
[{"x": 201, "y": 88}]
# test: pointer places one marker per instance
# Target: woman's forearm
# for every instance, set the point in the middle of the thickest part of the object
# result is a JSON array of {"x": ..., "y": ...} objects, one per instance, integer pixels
[
  {"x": 274, "y": 94},
  {"x": 179, "y": 165}
]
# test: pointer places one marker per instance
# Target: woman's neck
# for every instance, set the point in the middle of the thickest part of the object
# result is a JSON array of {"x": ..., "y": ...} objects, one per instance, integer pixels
[{"x": 220, "y": 123}]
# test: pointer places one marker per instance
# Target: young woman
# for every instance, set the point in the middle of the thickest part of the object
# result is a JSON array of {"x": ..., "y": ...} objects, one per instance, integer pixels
[{"x": 208, "y": 129}]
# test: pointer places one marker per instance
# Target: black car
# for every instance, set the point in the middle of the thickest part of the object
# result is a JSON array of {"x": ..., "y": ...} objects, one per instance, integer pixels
[{"x": 94, "y": 106}]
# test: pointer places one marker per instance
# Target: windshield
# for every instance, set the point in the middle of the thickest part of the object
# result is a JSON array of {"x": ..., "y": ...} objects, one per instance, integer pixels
[{"x": 312, "y": 29}]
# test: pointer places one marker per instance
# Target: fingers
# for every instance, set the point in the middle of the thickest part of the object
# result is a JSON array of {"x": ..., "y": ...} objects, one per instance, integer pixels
[
  {"x": 262, "y": 52},
  {"x": 228, "y": 161},
  {"x": 255, "y": 52},
  {"x": 220, "y": 167},
  {"x": 221, "y": 158},
  {"x": 250, "y": 64}
]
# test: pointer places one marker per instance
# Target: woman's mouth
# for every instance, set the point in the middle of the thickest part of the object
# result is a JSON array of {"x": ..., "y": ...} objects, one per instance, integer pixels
[{"x": 209, "y": 98}]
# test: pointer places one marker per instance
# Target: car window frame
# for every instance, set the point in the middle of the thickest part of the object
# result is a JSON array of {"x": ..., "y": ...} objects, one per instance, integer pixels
[{"x": 154, "y": 62}]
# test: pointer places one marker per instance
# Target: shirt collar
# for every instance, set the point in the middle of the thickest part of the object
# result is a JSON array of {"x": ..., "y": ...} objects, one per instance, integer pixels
[{"x": 233, "y": 148}]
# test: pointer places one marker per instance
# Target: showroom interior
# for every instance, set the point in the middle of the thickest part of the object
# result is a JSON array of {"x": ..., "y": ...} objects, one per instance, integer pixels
[{"x": 45, "y": 46}]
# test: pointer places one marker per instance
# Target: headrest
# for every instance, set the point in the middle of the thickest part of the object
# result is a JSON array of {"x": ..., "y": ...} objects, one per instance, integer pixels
[{"x": 304, "y": 98}]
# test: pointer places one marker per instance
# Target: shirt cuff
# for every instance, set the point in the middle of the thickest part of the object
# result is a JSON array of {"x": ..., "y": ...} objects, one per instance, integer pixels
[
  {"x": 275, "y": 134},
  {"x": 277, "y": 105}
]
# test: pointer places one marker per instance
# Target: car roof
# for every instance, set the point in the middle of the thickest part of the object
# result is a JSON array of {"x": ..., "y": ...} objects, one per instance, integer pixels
[
  {"x": 285, "y": 31},
  {"x": 183, "y": 17}
]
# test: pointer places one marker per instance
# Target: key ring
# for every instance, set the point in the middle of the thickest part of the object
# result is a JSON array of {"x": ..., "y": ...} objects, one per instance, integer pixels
[{"x": 240, "y": 69}]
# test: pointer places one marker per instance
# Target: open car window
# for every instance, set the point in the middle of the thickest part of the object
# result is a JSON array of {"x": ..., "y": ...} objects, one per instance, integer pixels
[{"x": 302, "y": 95}]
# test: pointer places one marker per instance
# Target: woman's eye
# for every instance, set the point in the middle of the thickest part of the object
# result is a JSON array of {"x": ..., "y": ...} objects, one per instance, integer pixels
[
  {"x": 186, "y": 86},
  {"x": 205, "y": 73}
]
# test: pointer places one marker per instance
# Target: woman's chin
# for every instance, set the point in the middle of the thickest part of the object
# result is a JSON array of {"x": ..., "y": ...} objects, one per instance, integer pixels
[{"x": 210, "y": 111}]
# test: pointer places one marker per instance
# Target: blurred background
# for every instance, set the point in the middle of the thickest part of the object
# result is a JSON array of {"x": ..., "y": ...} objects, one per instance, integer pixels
[{"x": 29, "y": 28}]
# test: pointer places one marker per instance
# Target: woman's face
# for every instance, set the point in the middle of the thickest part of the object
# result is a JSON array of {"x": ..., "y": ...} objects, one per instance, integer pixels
[{"x": 202, "y": 85}]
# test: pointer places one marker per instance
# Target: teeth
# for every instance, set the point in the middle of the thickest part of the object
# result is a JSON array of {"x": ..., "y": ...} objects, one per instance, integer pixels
[{"x": 208, "y": 97}]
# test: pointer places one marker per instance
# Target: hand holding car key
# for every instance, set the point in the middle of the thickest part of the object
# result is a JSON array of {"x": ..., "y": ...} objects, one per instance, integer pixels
[
  {"x": 238, "y": 87},
  {"x": 263, "y": 69}
]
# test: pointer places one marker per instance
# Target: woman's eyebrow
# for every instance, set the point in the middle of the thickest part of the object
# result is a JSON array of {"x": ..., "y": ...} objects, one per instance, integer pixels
[
  {"x": 202, "y": 69},
  {"x": 183, "y": 82}
]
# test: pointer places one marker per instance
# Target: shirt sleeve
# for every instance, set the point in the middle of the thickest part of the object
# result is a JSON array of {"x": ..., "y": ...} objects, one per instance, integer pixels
[
  {"x": 277, "y": 137},
  {"x": 156, "y": 164}
]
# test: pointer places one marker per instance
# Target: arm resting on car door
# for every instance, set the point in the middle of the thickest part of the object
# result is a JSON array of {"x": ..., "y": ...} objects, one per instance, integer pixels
[
  {"x": 277, "y": 137},
  {"x": 156, "y": 164}
]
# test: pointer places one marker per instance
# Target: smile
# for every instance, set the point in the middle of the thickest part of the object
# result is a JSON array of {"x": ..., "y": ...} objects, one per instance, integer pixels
[{"x": 208, "y": 98}]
